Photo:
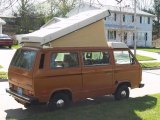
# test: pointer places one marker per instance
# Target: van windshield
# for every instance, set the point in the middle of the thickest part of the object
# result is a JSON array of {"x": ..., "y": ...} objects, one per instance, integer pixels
[{"x": 24, "y": 59}]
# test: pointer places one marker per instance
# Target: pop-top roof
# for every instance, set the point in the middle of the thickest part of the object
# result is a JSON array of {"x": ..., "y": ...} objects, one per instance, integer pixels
[{"x": 66, "y": 26}]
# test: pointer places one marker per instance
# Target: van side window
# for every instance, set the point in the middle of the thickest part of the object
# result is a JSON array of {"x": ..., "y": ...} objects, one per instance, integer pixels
[
  {"x": 96, "y": 58},
  {"x": 64, "y": 60},
  {"x": 123, "y": 57}
]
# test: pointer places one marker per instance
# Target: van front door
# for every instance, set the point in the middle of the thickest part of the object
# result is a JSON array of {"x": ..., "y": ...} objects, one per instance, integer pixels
[
  {"x": 97, "y": 73},
  {"x": 126, "y": 68}
]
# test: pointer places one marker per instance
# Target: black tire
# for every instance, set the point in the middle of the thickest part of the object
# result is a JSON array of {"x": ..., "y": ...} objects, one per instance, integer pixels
[
  {"x": 27, "y": 106},
  {"x": 59, "y": 101},
  {"x": 10, "y": 47},
  {"x": 122, "y": 92}
]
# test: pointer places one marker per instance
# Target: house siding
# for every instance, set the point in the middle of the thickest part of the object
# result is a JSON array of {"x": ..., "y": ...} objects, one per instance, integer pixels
[{"x": 125, "y": 27}]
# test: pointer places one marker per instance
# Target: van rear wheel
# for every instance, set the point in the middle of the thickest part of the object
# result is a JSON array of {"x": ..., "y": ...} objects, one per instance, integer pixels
[
  {"x": 122, "y": 92},
  {"x": 58, "y": 101}
]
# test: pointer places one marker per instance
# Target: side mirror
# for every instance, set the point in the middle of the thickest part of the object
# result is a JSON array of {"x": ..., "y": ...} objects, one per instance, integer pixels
[{"x": 133, "y": 61}]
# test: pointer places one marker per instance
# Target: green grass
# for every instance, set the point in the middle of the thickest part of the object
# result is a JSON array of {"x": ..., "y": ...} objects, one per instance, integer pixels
[
  {"x": 150, "y": 49},
  {"x": 146, "y": 108},
  {"x": 144, "y": 58},
  {"x": 1, "y": 66},
  {"x": 3, "y": 75},
  {"x": 16, "y": 46},
  {"x": 150, "y": 64}
]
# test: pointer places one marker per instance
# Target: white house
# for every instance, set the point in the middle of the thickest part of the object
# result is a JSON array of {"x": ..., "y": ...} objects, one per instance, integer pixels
[
  {"x": 120, "y": 24},
  {"x": 2, "y": 22}
]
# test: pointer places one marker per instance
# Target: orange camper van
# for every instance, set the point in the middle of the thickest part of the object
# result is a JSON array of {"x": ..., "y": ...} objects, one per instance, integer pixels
[{"x": 58, "y": 76}]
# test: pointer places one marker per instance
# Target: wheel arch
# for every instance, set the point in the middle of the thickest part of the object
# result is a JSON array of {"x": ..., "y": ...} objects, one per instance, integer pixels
[{"x": 65, "y": 91}]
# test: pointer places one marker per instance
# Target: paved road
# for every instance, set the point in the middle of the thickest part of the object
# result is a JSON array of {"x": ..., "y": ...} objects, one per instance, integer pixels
[
  {"x": 156, "y": 56},
  {"x": 9, "y": 108}
]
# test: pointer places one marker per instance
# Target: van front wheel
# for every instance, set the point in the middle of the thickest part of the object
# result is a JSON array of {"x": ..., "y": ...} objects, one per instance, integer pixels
[
  {"x": 58, "y": 101},
  {"x": 122, "y": 92}
]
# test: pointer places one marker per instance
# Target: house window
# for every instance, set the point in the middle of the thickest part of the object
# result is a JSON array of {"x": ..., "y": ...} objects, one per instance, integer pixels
[
  {"x": 133, "y": 36},
  {"x": 123, "y": 18},
  {"x": 141, "y": 36},
  {"x": 125, "y": 37},
  {"x": 115, "y": 16},
  {"x": 112, "y": 35},
  {"x": 146, "y": 36},
  {"x": 141, "y": 19},
  {"x": 148, "y": 20},
  {"x": 132, "y": 18},
  {"x": 145, "y": 20}
]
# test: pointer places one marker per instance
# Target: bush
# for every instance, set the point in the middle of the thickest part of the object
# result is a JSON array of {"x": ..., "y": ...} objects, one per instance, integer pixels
[{"x": 3, "y": 75}]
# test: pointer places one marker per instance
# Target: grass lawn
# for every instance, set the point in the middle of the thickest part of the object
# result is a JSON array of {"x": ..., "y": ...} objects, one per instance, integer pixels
[
  {"x": 16, "y": 46},
  {"x": 3, "y": 75},
  {"x": 144, "y": 58},
  {"x": 150, "y": 64},
  {"x": 150, "y": 49},
  {"x": 1, "y": 66},
  {"x": 146, "y": 108}
]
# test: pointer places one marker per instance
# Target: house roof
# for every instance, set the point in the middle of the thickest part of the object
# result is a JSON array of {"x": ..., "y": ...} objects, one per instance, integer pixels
[
  {"x": 87, "y": 6},
  {"x": 66, "y": 26},
  {"x": 5, "y": 15},
  {"x": 2, "y": 22},
  {"x": 127, "y": 10}
]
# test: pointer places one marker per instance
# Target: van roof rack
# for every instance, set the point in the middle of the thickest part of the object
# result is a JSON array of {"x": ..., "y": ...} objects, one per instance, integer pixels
[{"x": 117, "y": 45}]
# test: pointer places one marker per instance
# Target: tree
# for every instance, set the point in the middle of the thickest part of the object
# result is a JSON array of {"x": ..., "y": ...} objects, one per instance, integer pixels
[
  {"x": 143, "y": 4},
  {"x": 29, "y": 18},
  {"x": 157, "y": 13},
  {"x": 61, "y": 7},
  {"x": 6, "y": 5}
]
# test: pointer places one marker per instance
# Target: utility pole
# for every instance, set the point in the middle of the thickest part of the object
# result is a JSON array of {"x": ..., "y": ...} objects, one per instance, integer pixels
[
  {"x": 135, "y": 28},
  {"x": 121, "y": 29}
]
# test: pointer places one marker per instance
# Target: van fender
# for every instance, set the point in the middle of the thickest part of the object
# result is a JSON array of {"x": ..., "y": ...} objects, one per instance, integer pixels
[{"x": 64, "y": 90}]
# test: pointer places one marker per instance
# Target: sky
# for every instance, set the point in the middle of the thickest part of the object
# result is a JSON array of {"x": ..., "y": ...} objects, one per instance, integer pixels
[{"x": 147, "y": 3}]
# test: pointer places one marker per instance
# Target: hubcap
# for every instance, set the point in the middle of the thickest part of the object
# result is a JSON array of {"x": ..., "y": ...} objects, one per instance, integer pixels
[
  {"x": 123, "y": 93},
  {"x": 60, "y": 103}
]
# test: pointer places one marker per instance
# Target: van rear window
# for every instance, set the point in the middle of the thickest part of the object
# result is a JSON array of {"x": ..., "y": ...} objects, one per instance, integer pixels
[{"x": 24, "y": 59}]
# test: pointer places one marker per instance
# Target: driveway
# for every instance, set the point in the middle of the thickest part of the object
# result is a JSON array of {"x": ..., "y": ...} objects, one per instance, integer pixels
[
  {"x": 9, "y": 108},
  {"x": 5, "y": 57}
]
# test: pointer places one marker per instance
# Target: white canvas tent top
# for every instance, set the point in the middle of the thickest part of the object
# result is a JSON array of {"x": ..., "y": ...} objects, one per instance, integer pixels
[{"x": 64, "y": 27}]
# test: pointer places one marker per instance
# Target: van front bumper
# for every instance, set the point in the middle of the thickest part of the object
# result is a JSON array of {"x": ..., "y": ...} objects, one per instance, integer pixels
[{"x": 22, "y": 98}]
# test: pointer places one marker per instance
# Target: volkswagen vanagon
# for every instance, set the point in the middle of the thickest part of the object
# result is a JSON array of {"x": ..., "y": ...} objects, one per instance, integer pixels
[{"x": 59, "y": 76}]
